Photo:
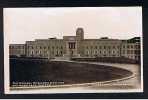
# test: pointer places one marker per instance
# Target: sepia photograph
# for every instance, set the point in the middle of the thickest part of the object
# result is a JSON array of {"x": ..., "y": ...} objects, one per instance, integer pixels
[{"x": 73, "y": 50}]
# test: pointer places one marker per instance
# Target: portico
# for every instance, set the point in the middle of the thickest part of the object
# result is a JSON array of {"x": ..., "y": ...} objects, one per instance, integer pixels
[{"x": 71, "y": 46}]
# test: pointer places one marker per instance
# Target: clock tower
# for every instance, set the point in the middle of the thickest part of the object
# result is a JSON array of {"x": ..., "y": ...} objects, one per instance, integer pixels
[
  {"x": 79, "y": 38},
  {"x": 80, "y": 34}
]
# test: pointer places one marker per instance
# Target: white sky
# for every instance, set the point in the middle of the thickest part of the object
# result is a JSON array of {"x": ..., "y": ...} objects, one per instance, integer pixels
[{"x": 25, "y": 24}]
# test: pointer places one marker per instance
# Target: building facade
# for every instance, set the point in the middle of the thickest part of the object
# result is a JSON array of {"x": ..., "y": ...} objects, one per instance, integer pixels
[
  {"x": 77, "y": 46},
  {"x": 17, "y": 49}
]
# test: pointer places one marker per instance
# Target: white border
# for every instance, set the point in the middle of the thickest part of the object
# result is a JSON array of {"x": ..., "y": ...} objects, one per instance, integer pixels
[
  {"x": 6, "y": 58},
  {"x": 141, "y": 54},
  {"x": 53, "y": 91}
]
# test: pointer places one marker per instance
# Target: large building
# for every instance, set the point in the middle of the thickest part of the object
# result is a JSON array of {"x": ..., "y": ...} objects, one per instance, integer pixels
[{"x": 77, "y": 46}]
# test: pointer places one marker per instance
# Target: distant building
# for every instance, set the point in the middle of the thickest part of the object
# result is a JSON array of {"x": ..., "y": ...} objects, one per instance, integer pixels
[
  {"x": 77, "y": 46},
  {"x": 17, "y": 49},
  {"x": 131, "y": 48}
]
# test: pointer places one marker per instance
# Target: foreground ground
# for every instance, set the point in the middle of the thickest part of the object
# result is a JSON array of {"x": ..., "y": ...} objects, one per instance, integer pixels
[
  {"x": 131, "y": 83},
  {"x": 26, "y": 70}
]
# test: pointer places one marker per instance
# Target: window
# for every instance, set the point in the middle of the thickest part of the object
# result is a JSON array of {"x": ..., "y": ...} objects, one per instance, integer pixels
[
  {"x": 108, "y": 47},
  {"x": 57, "y": 53},
  {"x": 113, "y": 52},
  {"x": 135, "y": 46},
  {"x": 137, "y": 52},
  {"x": 100, "y": 47},
  {"x": 138, "y": 46},
  {"x": 128, "y": 46},
  {"x": 104, "y": 52},
  {"x": 32, "y": 53},
  {"x": 109, "y": 52},
  {"x": 131, "y": 46},
  {"x": 136, "y": 57},
  {"x": 123, "y": 46},
  {"x": 72, "y": 45},
  {"x": 128, "y": 51},
  {"x": 104, "y": 47},
  {"x": 39, "y": 52},
  {"x": 132, "y": 52},
  {"x": 61, "y": 52}
]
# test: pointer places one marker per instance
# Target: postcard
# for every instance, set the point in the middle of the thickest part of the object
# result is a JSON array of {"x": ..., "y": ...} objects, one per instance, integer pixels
[{"x": 73, "y": 50}]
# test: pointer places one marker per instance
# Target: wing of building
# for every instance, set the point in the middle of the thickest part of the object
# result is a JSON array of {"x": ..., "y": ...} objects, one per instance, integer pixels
[{"x": 77, "y": 46}]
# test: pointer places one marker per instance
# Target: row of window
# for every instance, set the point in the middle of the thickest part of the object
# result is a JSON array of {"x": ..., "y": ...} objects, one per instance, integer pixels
[
  {"x": 102, "y": 43},
  {"x": 87, "y": 47},
  {"x": 103, "y": 47},
  {"x": 45, "y": 47},
  {"x": 102, "y": 52},
  {"x": 46, "y": 52},
  {"x": 131, "y": 46},
  {"x": 104, "y": 55},
  {"x": 17, "y": 47},
  {"x": 131, "y": 52},
  {"x": 72, "y": 45},
  {"x": 17, "y": 52},
  {"x": 133, "y": 57}
]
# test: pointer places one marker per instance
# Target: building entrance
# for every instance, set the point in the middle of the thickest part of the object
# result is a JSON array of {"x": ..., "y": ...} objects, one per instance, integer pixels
[{"x": 72, "y": 47}]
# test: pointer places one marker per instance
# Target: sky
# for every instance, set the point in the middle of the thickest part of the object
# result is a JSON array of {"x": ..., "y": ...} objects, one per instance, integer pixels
[{"x": 27, "y": 24}]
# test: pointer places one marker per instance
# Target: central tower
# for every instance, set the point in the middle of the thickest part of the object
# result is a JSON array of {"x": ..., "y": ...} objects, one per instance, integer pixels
[
  {"x": 79, "y": 39},
  {"x": 80, "y": 34}
]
